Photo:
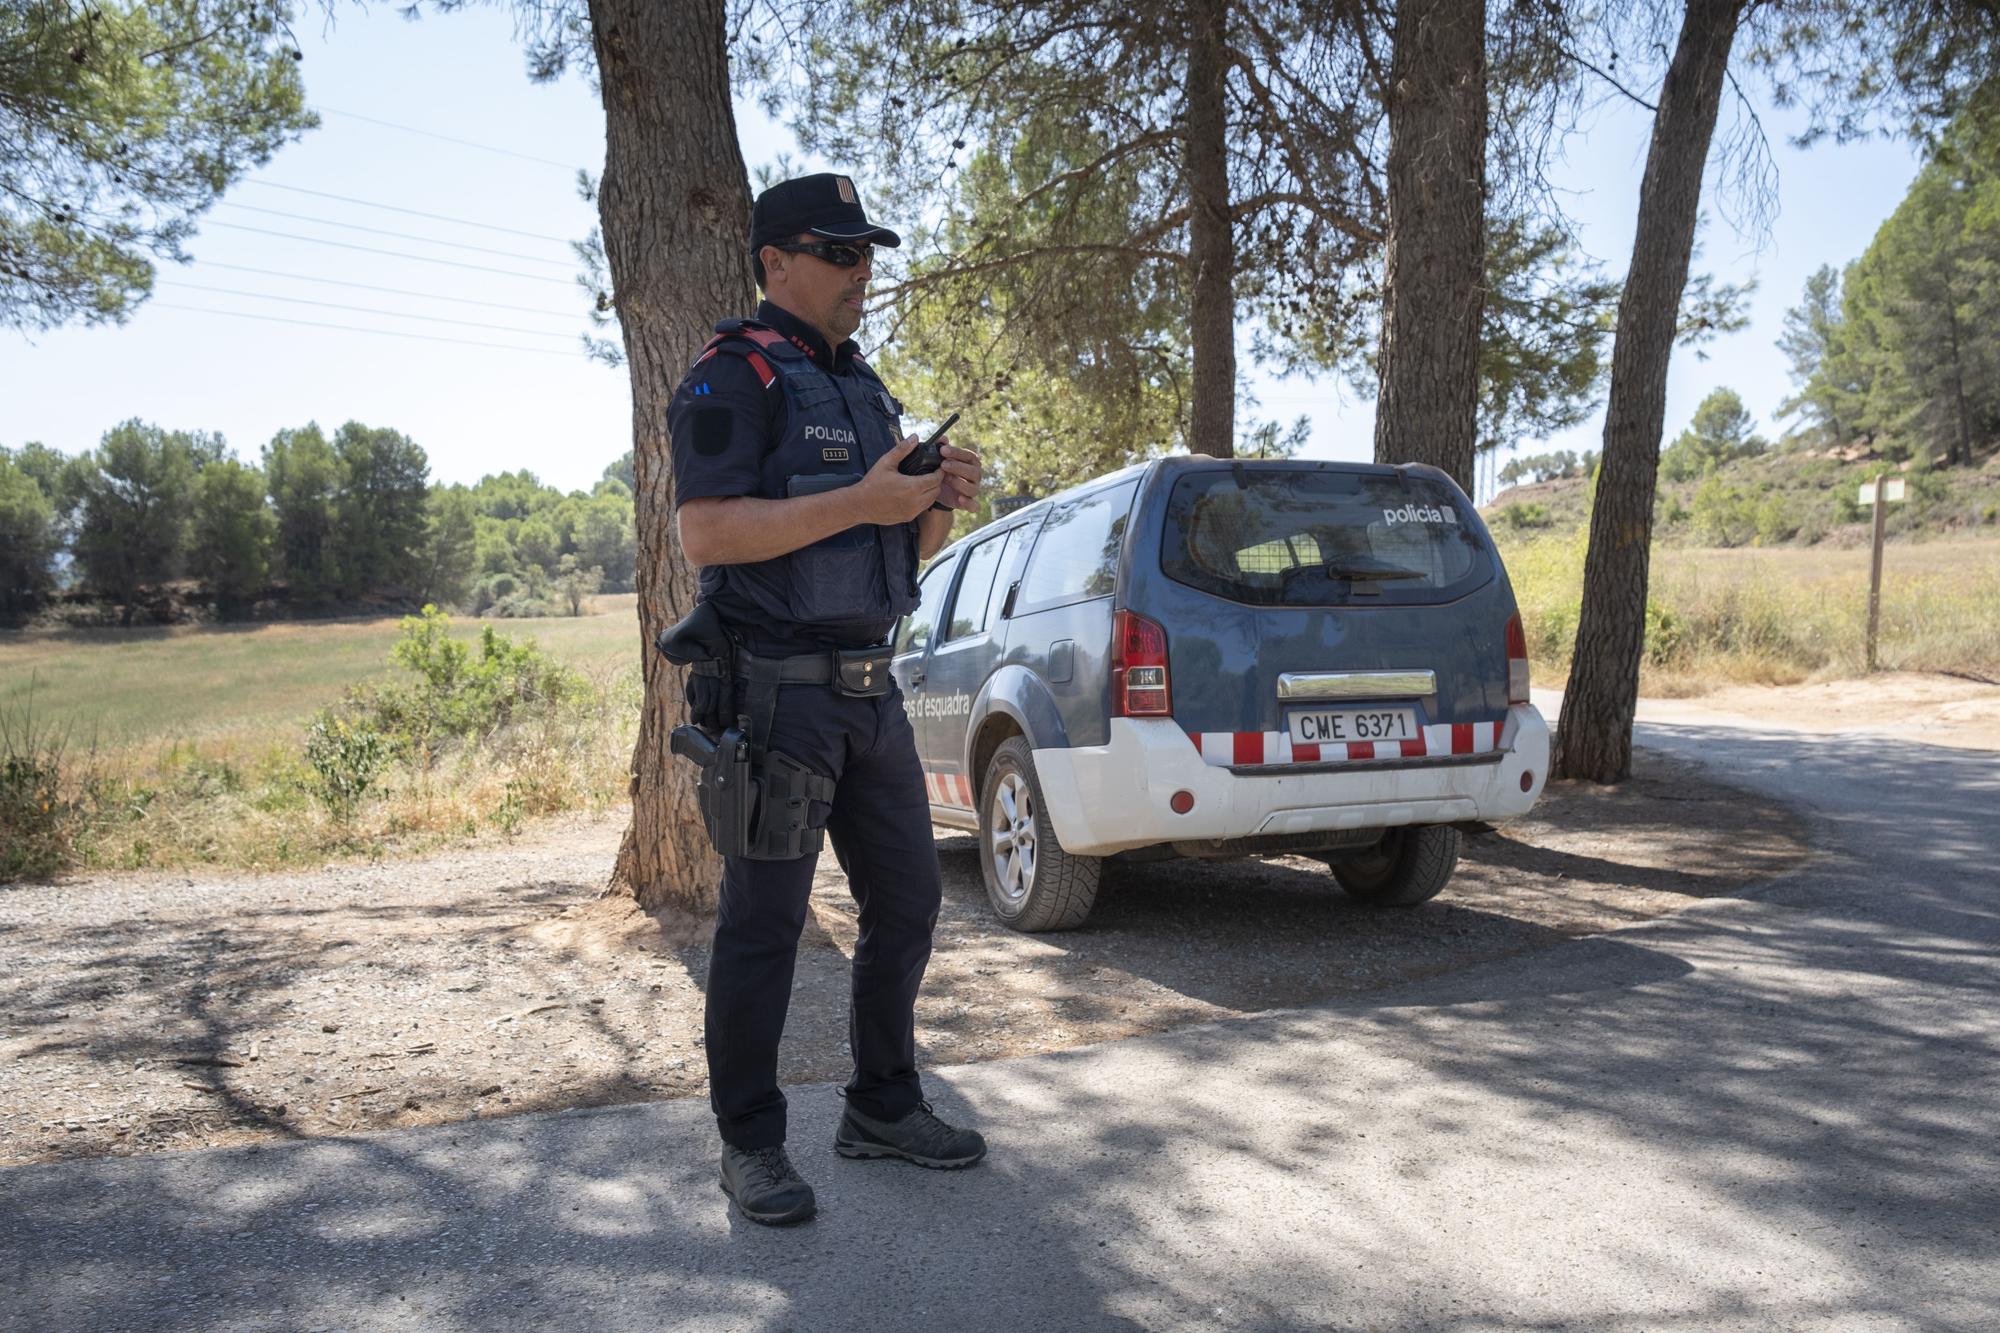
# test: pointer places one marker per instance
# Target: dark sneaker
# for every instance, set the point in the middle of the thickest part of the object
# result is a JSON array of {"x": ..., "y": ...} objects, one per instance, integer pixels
[
  {"x": 918, "y": 1137},
  {"x": 765, "y": 1186}
]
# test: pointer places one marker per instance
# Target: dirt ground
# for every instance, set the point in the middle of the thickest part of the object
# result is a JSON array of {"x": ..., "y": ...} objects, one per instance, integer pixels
[
  {"x": 1930, "y": 707},
  {"x": 145, "y": 1012}
]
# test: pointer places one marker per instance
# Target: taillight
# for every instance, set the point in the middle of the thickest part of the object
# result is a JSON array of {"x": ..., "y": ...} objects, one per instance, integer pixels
[
  {"x": 1517, "y": 662},
  {"x": 1138, "y": 668}
]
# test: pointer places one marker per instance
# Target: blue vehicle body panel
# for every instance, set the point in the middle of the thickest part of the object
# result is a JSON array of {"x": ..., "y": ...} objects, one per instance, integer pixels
[
  {"x": 1047, "y": 666},
  {"x": 1016, "y": 693},
  {"x": 1225, "y": 656},
  {"x": 1064, "y": 641}
]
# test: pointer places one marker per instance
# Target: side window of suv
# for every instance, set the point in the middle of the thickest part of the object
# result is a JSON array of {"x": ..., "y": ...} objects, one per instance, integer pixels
[
  {"x": 1076, "y": 557},
  {"x": 914, "y": 634},
  {"x": 972, "y": 610}
]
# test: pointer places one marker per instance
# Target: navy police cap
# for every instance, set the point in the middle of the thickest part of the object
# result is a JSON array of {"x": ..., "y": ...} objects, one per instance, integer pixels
[{"x": 825, "y": 205}]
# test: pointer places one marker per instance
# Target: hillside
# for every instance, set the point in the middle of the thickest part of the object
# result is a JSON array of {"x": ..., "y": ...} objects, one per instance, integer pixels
[{"x": 1795, "y": 497}]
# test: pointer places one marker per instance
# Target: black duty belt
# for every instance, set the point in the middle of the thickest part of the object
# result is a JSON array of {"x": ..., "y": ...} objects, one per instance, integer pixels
[{"x": 861, "y": 672}]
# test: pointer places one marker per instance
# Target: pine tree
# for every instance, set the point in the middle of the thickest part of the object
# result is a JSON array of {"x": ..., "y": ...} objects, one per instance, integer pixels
[
  {"x": 232, "y": 536},
  {"x": 120, "y": 122}
]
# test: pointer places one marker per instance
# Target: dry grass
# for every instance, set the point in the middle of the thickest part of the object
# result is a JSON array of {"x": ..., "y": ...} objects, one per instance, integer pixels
[
  {"x": 186, "y": 745},
  {"x": 1776, "y": 616}
]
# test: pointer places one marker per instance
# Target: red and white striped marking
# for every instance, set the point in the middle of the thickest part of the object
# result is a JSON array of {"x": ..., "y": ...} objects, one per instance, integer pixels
[
  {"x": 1225, "y": 749},
  {"x": 949, "y": 789}
]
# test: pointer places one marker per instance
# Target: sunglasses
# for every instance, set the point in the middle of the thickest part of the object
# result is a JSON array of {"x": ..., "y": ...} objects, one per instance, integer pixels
[{"x": 834, "y": 253}]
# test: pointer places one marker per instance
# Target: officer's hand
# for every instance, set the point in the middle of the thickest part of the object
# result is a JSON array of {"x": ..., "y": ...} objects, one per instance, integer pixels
[
  {"x": 958, "y": 478},
  {"x": 887, "y": 497}
]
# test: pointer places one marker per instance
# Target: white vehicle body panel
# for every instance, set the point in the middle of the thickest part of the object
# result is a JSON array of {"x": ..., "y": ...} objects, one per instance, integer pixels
[{"x": 1112, "y": 797}]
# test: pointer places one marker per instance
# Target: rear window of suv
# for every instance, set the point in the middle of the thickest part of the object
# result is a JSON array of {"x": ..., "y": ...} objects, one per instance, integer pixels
[{"x": 1314, "y": 537}]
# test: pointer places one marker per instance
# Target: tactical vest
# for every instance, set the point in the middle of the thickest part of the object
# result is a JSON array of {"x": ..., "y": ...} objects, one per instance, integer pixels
[{"x": 854, "y": 584}]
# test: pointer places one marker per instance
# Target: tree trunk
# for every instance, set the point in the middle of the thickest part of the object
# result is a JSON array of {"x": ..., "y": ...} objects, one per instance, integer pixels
[
  {"x": 1959, "y": 450},
  {"x": 1594, "y": 735},
  {"x": 1434, "y": 290},
  {"x": 675, "y": 206},
  {"x": 1211, "y": 244}
]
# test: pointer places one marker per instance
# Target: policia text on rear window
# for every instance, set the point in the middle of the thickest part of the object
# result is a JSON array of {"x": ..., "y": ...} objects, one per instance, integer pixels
[{"x": 1321, "y": 538}]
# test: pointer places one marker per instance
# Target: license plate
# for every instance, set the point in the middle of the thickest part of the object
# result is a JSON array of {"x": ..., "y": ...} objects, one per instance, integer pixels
[{"x": 1326, "y": 726}]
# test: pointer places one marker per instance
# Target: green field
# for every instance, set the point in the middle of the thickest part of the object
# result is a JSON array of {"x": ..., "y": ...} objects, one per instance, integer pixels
[
  {"x": 134, "y": 748},
  {"x": 1726, "y": 616},
  {"x": 191, "y": 746},
  {"x": 234, "y": 685}
]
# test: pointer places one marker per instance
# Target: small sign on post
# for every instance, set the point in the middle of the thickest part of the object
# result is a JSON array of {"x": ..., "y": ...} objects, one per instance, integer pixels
[
  {"x": 1892, "y": 490},
  {"x": 1877, "y": 494}
]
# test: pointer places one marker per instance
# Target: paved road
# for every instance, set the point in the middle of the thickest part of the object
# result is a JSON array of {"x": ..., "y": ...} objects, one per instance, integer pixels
[{"x": 1781, "y": 1112}]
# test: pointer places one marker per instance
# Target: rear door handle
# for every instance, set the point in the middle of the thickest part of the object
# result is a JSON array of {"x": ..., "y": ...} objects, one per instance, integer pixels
[{"x": 916, "y": 676}]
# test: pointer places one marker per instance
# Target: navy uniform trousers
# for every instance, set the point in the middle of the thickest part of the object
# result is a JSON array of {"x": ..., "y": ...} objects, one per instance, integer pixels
[{"x": 880, "y": 827}]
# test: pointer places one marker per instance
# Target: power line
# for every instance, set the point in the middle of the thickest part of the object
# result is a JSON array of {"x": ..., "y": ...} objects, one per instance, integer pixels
[
  {"x": 463, "y": 143},
  {"x": 413, "y": 212},
  {"x": 349, "y": 328},
  {"x": 392, "y": 291},
  {"x": 395, "y": 254},
  {"x": 400, "y": 235},
  {"x": 370, "y": 310}
]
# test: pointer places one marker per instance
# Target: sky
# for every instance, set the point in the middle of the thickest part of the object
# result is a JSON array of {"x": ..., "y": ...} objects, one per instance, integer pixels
[{"x": 438, "y": 117}]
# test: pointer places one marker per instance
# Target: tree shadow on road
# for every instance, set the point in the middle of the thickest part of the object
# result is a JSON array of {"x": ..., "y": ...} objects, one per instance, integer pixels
[{"x": 1771, "y": 1112}]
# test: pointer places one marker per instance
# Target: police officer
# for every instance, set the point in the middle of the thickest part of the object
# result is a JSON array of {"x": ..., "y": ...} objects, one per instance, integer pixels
[{"x": 789, "y": 497}]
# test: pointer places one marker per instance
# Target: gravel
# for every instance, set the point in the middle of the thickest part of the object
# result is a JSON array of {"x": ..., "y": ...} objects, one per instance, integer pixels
[{"x": 159, "y": 1011}]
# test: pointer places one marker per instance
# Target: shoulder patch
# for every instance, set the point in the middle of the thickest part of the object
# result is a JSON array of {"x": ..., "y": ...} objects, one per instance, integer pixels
[{"x": 714, "y": 427}]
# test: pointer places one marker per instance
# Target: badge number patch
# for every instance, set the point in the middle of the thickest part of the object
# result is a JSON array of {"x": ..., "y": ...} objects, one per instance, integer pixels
[{"x": 833, "y": 455}]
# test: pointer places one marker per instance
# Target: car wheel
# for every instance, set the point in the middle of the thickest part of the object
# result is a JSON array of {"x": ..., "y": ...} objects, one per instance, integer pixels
[
  {"x": 1407, "y": 867},
  {"x": 1033, "y": 884}
]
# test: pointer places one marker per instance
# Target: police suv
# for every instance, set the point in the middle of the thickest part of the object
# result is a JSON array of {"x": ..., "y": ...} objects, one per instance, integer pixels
[{"x": 1214, "y": 658}]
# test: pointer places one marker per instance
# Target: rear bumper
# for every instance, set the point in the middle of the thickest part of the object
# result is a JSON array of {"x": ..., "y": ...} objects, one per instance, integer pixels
[{"x": 1107, "y": 798}]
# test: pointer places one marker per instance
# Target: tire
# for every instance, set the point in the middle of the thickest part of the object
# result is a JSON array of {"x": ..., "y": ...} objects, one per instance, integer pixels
[
  {"x": 1408, "y": 867},
  {"x": 1032, "y": 883}
]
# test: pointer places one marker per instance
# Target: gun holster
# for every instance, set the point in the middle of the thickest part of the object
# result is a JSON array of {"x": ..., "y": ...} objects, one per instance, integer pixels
[
  {"x": 725, "y": 785},
  {"x": 700, "y": 636},
  {"x": 756, "y": 806},
  {"x": 756, "y": 802}
]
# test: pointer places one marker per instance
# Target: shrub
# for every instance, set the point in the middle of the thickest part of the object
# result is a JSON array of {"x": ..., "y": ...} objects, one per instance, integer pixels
[
  {"x": 493, "y": 588},
  {"x": 516, "y": 594},
  {"x": 511, "y": 704},
  {"x": 577, "y": 583},
  {"x": 456, "y": 695},
  {"x": 1524, "y": 514},
  {"x": 1774, "y": 521},
  {"x": 1663, "y": 633},
  {"x": 1723, "y": 515},
  {"x": 41, "y": 814},
  {"x": 346, "y": 755}
]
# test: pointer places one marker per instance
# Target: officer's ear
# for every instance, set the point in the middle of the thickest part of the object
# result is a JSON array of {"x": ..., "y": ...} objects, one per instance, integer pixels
[{"x": 767, "y": 257}]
